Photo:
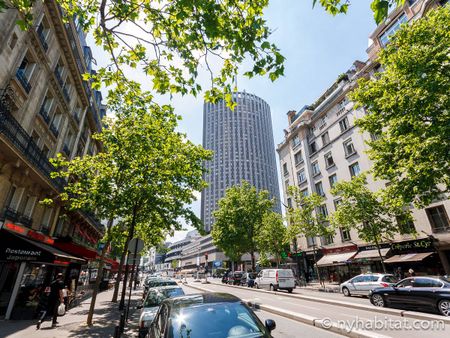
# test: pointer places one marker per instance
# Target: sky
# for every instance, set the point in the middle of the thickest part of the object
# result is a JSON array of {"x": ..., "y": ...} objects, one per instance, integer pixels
[{"x": 317, "y": 46}]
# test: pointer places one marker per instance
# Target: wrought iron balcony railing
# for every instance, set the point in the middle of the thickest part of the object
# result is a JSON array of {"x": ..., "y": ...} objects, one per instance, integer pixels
[
  {"x": 23, "y": 142},
  {"x": 53, "y": 129}
]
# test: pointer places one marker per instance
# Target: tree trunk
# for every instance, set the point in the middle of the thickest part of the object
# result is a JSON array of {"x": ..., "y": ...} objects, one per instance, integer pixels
[
  {"x": 316, "y": 266},
  {"x": 119, "y": 276},
  {"x": 381, "y": 256},
  {"x": 99, "y": 272},
  {"x": 252, "y": 255}
]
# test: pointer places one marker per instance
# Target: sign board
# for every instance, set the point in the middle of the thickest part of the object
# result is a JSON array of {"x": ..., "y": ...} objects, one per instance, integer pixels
[
  {"x": 419, "y": 245},
  {"x": 217, "y": 264},
  {"x": 136, "y": 245},
  {"x": 133, "y": 260}
]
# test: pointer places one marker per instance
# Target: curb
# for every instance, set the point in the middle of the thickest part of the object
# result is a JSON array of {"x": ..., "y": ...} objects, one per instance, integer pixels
[
  {"x": 322, "y": 324},
  {"x": 387, "y": 311}
]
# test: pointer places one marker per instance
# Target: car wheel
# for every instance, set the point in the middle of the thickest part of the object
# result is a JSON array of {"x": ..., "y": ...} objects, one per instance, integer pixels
[
  {"x": 290, "y": 290},
  {"x": 256, "y": 285},
  {"x": 444, "y": 307},
  {"x": 272, "y": 288},
  {"x": 346, "y": 292},
  {"x": 378, "y": 300}
]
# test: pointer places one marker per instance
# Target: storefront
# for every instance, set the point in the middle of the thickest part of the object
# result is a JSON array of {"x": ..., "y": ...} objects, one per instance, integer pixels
[
  {"x": 419, "y": 255},
  {"x": 27, "y": 267},
  {"x": 368, "y": 258},
  {"x": 335, "y": 265}
]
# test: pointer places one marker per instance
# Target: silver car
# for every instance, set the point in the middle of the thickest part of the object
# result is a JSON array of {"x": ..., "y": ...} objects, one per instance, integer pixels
[
  {"x": 151, "y": 304},
  {"x": 363, "y": 284}
]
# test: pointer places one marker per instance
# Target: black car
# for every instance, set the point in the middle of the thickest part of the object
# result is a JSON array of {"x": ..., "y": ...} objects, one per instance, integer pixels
[
  {"x": 234, "y": 278},
  {"x": 416, "y": 293},
  {"x": 248, "y": 279},
  {"x": 207, "y": 315}
]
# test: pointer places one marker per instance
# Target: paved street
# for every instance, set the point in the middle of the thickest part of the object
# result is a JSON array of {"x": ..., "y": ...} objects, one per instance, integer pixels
[{"x": 389, "y": 325}]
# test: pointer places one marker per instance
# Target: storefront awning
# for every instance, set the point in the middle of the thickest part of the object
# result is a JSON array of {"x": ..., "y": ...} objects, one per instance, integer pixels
[
  {"x": 412, "y": 257},
  {"x": 336, "y": 259},
  {"x": 371, "y": 254},
  {"x": 18, "y": 248}
]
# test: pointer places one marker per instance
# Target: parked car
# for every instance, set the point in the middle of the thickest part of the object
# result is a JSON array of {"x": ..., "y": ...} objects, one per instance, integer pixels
[
  {"x": 225, "y": 277},
  {"x": 151, "y": 304},
  {"x": 362, "y": 284},
  {"x": 275, "y": 279},
  {"x": 416, "y": 293},
  {"x": 155, "y": 282},
  {"x": 248, "y": 279},
  {"x": 234, "y": 278},
  {"x": 208, "y": 315}
]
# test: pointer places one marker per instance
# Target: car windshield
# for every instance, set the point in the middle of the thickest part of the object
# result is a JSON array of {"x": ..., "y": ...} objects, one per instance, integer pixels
[
  {"x": 215, "y": 320},
  {"x": 155, "y": 297},
  {"x": 155, "y": 283},
  {"x": 389, "y": 279}
]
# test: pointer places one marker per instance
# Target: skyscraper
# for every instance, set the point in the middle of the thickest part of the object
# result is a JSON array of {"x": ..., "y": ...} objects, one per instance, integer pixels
[{"x": 242, "y": 141}]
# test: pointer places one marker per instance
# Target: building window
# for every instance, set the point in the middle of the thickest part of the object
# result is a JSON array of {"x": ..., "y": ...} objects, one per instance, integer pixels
[
  {"x": 325, "y": 138},
  {"x": 298, "y": 158},
  {"x": 289, "y": 202},
  {"x": 405, "y": 226},
  {"x": 322, "y": 122},
  {"x": 301, "y": 176},
  {"x": 438, "y": 219},
  {"x": 286, "y": 185},
  {"x": 304, "y": 192},
  {"x": 336, "y": 203},
  {"x": 333, "y": 180},
  {"x": 327, "y": 240},
  {"x": 312, "y": 147},
  {"x": 25, "y": 71},
  {"x": 310, "y": 241},
  {"x": 43, "y": 32},
  {"x": 374, "y": 137},
  {"x": 295, "y": 141},
  {"x": 354, "y": 169},
  {"x": 315, "y": 168},
  {"x": 385, "y": 37},
  {"x": 13, "y": 41},
  {"x": 322, "y": 210},
  {"x": 349, "y": 149},
  {"x": 319, "y": 189},
  {"x": 285, "y": 169},
  {"x": 343, "y": 124},
  {"x": 345, "y": 234},
  {"x": 329, "y": 160}
]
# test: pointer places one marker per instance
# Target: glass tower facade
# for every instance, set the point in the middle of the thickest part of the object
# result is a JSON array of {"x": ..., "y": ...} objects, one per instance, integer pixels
[{"x": 242, "y": 141}]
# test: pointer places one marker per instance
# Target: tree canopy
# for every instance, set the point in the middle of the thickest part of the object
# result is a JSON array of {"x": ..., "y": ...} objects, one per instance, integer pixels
[
  {"x": 408, "y": 109},
  {"x": 238, "y": 220},
  {"x": 373, "y": 215},
  {"x": 272, "y": 237}
]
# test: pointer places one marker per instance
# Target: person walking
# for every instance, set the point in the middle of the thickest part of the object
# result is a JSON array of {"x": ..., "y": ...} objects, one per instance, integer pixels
[
  {"x": 65, "y": 295},
  {"x": 411, "y": 273},
  {"x": 55, "y": 298}
]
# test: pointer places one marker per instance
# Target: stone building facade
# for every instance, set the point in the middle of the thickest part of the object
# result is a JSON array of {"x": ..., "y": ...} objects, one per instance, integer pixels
[
  {"x": 322, "y": 145},
  {"x": 45, "y": 108}
]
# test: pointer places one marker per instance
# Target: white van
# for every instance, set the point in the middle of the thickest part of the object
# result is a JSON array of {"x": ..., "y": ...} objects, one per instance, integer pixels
[{"x": 275, "y": 279}]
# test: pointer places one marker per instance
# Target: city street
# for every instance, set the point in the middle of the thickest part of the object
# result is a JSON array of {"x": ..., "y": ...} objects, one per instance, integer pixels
[{"x": 345, "y": 317}]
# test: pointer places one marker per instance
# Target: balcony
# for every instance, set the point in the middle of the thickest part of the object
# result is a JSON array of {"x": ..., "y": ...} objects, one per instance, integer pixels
[
  {"x": 58, "y": 77},
  {"x": 13, "y": 131},
  {"x": 20, "y": 75},
  {"x": 25, "y": 220},
  {"x": 44, "y": 114},
  {"x": 54, "y": 130},
  {"x": 42, "y": 39},
  {"x": 93, "y": 220},
  {"x": 16, "y": 217}
]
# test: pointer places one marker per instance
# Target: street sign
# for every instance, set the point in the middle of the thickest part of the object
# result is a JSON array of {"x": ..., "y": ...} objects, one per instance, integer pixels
[
  {"x": 136, "y": 245},
  {"x": 133, "y": 260}
]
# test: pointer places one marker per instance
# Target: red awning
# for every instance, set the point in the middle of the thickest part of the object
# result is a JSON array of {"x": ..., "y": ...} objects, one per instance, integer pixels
[{"x": 77, "y": 250}]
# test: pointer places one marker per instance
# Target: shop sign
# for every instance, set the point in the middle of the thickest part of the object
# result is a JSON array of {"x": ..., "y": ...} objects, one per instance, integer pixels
[
  {"x": 343, "y": 249},
  {"x": 217, "y": 264},
  {"x": 373, "y": 247},
  {"x": 17, "y": 254},
  {"x": 420, "y": 244},
  {"x": 13, "y": 248},
  {"x": 19, "y": 229}
]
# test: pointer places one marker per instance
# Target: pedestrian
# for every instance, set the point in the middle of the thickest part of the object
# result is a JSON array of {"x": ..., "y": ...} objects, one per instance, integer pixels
[
  {"x": 55, "y": 298},
  {"x": 411, "y": 273},
  {"x": 399, "y": 273},
  {"x": 65, "y": 295}
]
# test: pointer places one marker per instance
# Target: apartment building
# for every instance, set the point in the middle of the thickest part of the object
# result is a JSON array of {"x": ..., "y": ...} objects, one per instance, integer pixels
[
  {"x": 322, "y": 146},
  {"x": 45, "y": 109}
]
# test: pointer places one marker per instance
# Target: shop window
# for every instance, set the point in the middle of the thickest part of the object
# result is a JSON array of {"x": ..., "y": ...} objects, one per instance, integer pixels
[{"x": 438, "y": 219}]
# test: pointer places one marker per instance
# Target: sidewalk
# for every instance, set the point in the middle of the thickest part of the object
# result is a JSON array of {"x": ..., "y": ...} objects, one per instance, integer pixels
[{"x": 73, "y": 323}]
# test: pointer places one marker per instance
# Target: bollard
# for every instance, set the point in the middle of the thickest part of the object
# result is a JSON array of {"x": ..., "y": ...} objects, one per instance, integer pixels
[{"x": 117, "y": 332}]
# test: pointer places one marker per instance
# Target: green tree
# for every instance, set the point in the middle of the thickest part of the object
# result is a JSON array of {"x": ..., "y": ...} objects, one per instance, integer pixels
[
  {"x": 174, "y": 264},
  {"x": 272, "y": 236},
  {"x": 238, "y": 220},
  {"x": 408, "y": 105},
  {"x": 308, "y": 219},
  {"x": 146, "y": 174},
  {"x": 372, "y": 214}
]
